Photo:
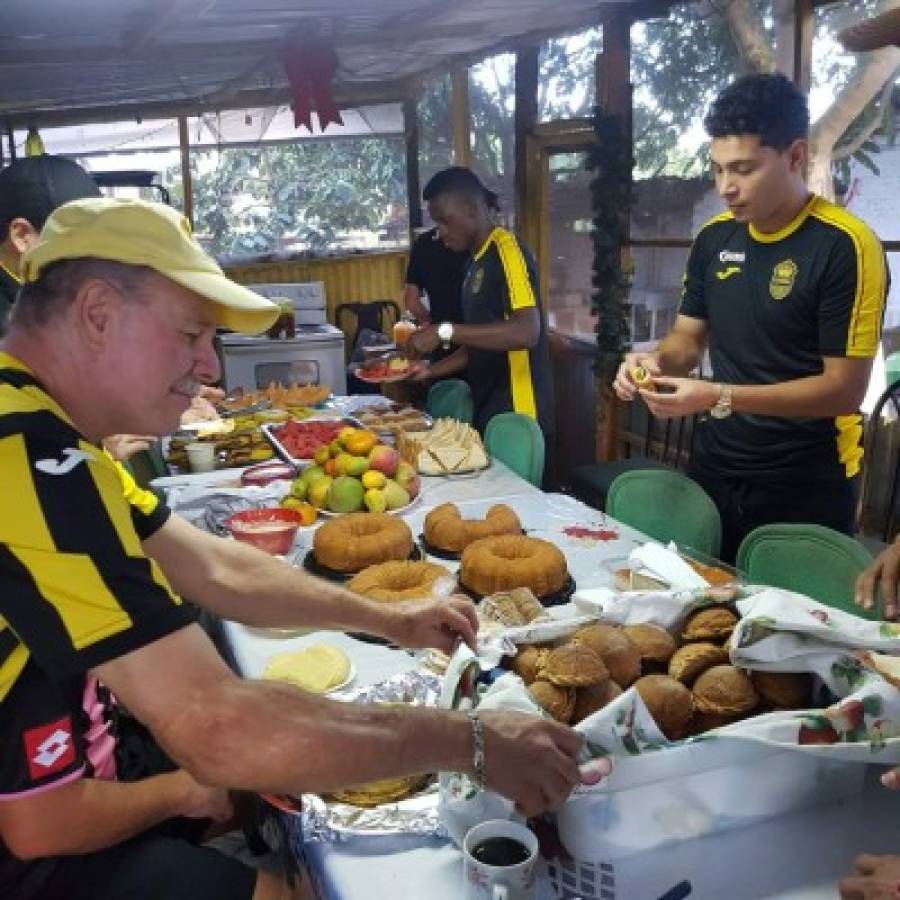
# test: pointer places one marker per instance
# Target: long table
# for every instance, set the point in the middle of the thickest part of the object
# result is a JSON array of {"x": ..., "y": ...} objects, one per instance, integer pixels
[{"x": 798, "y": 857}]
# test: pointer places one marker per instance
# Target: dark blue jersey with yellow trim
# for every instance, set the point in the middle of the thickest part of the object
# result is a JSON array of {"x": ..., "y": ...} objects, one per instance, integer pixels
[
  {"x": 776, "y": 305},
  {"x": 502, "y": 278}
]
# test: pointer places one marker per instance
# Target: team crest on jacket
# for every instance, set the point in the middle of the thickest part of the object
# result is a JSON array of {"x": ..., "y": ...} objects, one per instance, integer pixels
[
  {"x": 783, "y": 277},
  {"x": 477, "y": 280}
]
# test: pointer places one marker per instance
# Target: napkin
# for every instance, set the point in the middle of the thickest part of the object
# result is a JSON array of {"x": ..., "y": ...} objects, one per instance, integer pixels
[{"x": 666, "y": 564}]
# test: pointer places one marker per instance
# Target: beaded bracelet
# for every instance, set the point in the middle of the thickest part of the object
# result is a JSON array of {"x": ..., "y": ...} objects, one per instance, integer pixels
[{"x": 477, "y": 748}]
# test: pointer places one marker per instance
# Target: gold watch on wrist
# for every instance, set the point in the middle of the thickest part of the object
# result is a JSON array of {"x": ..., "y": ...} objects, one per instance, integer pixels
[{"x": 721, "y": 409}]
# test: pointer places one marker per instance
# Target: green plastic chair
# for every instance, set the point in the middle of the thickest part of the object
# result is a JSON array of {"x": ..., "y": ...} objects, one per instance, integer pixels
[
  {"x": 146, "y": 465},
  {"x": 667, "y": 506},
  {"x": 517, "y": 441},
  {"x": 451, "y": 399},
  {"x": 809, "y": 559}
]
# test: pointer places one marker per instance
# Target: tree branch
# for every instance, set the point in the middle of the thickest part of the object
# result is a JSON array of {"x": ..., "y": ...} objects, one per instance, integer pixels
[
  {"x": 843, "y": 151},
  {"x": 749, "y": 35}
]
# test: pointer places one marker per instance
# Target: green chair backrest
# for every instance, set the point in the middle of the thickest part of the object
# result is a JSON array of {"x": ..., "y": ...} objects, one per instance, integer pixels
[
  {"x": 668, "y": 506},
  {"x": 451, "y": 399},
  {"x": 809, "y": 559},
  {"x": 517, "y": 441},
  {"x": 147, "y": 464}
]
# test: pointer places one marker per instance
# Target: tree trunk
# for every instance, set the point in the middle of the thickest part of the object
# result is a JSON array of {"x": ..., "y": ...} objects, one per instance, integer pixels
[
  {"x": 865, "y": 84},
  {"x": 749, "y": 36}
]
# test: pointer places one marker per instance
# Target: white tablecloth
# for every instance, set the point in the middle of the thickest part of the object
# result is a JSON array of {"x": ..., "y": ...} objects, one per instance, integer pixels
[{"x": 798, "y": 857}]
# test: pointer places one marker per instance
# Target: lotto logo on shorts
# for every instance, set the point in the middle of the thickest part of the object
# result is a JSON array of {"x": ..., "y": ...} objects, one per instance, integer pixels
[{"x": 49, "y": 748}]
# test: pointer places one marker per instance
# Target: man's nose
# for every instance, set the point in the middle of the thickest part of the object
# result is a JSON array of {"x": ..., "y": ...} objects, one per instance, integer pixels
[{"x": 206, "y": 363}]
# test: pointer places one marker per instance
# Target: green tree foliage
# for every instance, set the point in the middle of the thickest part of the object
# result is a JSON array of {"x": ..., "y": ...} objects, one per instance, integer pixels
[{"x": 302, "y": 195}]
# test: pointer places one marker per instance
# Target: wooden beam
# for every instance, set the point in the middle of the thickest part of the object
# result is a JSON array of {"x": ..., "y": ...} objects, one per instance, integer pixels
[
  {"x": 526, "y": 115},
  {"x": 187, "y": 186},
  {"x": 460, "y": 117},
  {"x": 413, "y": 185},
  {"x": 804, "y": 28},
  {"x": 615, "y": 95}
]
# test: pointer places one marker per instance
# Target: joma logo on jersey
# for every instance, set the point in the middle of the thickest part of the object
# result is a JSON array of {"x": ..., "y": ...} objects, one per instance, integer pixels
[
  {"x": 732, "y": 256},
  {"x": 783, "y": 277},
  {"x": 71, "y": 458}
]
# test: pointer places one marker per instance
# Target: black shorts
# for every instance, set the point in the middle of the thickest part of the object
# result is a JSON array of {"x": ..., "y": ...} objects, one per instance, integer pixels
[{"x": 151, "y": 866}]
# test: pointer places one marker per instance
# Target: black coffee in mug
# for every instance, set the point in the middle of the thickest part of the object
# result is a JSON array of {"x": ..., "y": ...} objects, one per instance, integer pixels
[{"x": 500, "y": 851}]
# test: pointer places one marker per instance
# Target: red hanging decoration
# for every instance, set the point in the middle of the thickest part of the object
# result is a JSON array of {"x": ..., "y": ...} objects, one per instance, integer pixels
[{"x": 310, "y": 68}]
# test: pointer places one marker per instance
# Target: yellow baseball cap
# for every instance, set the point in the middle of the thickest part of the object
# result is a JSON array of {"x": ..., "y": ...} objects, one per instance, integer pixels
[{"x": 142, "y": 233}]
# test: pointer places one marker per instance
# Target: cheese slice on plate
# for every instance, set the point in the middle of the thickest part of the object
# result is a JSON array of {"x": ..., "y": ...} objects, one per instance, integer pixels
[{"x": 318, "y": 668}]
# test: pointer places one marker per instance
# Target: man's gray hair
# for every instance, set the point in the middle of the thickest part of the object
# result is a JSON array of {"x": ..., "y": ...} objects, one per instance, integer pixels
[{"x": 58, "y": 285}]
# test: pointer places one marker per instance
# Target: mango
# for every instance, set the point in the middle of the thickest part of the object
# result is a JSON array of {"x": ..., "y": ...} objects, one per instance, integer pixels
[
  {"x": 373, "y": 479},
  {"x": 345, "y": 495},
  {"x": 375, "y": 500},
  {"x": 360, "y": 443},
  {"x": 394, "y": 495},
  {"x": 318, "y": 491},
  {"x": 384, "y": 459}
]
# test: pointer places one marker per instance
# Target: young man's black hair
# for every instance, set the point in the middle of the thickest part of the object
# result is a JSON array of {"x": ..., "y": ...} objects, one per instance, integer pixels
[{"x": 770, "y": 106}]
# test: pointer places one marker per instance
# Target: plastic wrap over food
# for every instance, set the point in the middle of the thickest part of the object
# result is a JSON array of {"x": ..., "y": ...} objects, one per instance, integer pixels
[{"x": 324, "y": 819}]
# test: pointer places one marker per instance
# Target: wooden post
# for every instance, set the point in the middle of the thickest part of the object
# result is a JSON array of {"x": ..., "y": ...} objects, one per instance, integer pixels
[
  {"x": 526, "y": 115},
  {"x": 413, "y": 186},
  {"x": 804, "y": 28},
  {"x": 460, "y": 118},
  {"x": 614, "y": 95},
  {"x": 187, "y": 189}
]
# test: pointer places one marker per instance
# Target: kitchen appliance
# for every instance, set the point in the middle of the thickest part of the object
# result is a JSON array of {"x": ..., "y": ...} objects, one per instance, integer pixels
[{"x": 314, "y": 355}]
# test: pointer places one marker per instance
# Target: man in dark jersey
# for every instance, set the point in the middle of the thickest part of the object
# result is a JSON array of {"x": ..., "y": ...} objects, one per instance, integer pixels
[
  {"x": 30, "y": 189},
  {"x": 437, "y": 272},
  {"x": 787, "y": 292},
  {"x": 502, "y": 342}
]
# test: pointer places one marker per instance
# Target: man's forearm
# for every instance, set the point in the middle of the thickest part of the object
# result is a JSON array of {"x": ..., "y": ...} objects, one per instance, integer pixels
[
  {"x": 817, "y": 395},
  {"x": 679, "y": 353},
  {"x": 519, "y": 332},
  {"x": 91, "y": 814},
  {"x": 310, "y": 743},
  {"x": 450, "y": 365}
]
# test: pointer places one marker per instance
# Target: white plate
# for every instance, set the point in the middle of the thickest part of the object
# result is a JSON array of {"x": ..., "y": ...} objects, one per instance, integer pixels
[
  {"x": 391, "y": 512},
  {"x": 218, "y": 478}
]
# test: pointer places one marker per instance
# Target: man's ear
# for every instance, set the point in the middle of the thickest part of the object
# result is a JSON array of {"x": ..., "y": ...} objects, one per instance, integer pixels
[
  {"x": 798, "y": 154},
  {"x": 22, "y": 235},
  {"x": 94, "y": 307}
]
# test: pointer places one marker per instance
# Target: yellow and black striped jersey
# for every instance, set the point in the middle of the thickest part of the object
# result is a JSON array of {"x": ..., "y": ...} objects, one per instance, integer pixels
[
  {"x": 501, "y": 278},
  {"x": 777, "y": 305},
  {"x": 76, "y": 590}
]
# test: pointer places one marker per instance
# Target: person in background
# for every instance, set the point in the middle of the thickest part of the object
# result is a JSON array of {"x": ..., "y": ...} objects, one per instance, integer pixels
[
  {"x": 30, "y": 189},
  {"x": 502, "y": 343},
  {"x": 110, "y": 332},
  {"x": 787, "y": 292},
  {"x": 437, "y": 272}
]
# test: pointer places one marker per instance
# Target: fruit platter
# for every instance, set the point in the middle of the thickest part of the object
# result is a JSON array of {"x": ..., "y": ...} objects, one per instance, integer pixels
[
  {"x": 386, "y": 371},
  {"x": 353, "y": 472}
]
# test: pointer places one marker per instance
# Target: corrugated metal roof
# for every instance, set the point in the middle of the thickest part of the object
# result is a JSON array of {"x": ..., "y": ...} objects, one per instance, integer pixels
[{"x": 100, "y": 59}]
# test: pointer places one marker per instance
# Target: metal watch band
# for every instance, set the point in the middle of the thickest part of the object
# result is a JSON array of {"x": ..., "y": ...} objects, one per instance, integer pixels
[{"x": 477, "y": 748}]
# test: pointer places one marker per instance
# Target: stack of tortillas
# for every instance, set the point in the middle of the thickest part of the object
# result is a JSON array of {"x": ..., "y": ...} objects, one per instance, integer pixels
[
  {"x": 319, "y": 668},
  {"x": 449, "y": 447}
]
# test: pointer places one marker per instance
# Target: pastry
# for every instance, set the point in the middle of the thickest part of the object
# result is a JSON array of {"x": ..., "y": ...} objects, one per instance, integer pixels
[
  {"x": 394, "y": 581},
  {"x": 593, "y": 698},
  {"x": 726, "y": 691},
  {"x": 669, "y": 702},
  {"x": 528, "y": 662},
  {"x": 783, "y": 690},
  {"x": 511, "y": 608},
  {"x": 446, "y": 529},
  {"x": 385, "y": 790},
  {"x": 692, "y": 660},
  {"x": 510, "y": 561},
  {"x": 573, "y": 665},
  {"x": 654, "y": 644},
  {"x": 715, "y": 623},
  {"x": 559, "y": 702},
  {"x": 618, "y": 652},
  {"x": 351, "y": 542}
]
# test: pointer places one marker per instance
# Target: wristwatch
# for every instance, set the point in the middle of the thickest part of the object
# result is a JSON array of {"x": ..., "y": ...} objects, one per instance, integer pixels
[
  {"x": 721, "y": 409},
  {"x": 445, "y": 333}
]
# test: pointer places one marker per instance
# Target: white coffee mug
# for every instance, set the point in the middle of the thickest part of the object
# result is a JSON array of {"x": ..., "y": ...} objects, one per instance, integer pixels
[
  {"x": 201, "y": 456},
  {"x": 482, "y": 881}
]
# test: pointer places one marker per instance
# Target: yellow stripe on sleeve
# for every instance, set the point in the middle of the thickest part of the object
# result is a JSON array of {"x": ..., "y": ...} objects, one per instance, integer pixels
[
  {"x": 521, "y": 294},
  {"x": 19, "y": 502},
  {"x": 864, "y": 333},
  {"x": 522, "y": 387}
]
